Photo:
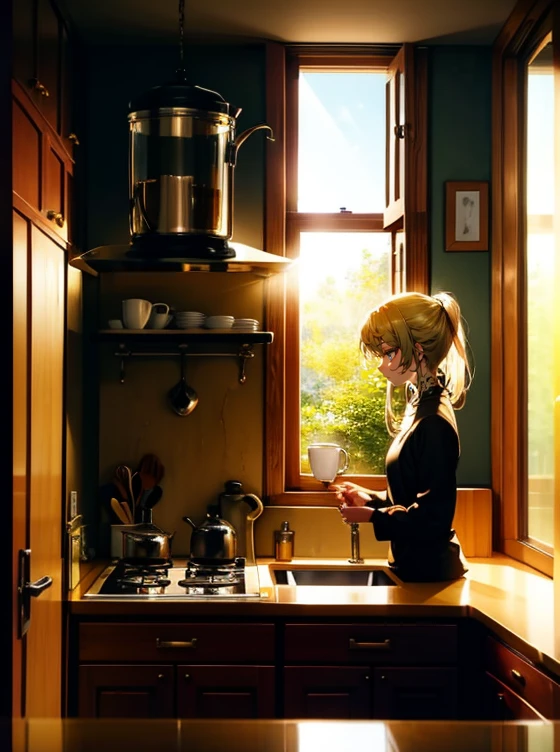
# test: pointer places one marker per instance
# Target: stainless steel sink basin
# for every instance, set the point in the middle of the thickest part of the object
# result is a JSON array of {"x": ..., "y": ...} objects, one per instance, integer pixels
[{"x": 332, "y": 577}]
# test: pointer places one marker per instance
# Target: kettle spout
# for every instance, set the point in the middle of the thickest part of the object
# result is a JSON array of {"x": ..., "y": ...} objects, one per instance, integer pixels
[
  {"x": 234, "y": 146},
  {"x": 191, "y": 523}
]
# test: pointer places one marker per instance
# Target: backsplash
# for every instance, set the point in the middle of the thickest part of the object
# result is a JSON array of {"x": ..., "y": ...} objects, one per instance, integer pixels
[{"x": 319, "y": 533}]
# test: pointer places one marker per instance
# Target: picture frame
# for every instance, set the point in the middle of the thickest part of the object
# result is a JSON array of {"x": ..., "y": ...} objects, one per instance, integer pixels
[{"x": 466, "y": 216}]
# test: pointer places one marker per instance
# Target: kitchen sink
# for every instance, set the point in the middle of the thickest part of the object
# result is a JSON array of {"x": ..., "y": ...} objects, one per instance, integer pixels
[{"x": 332, "y": 577}]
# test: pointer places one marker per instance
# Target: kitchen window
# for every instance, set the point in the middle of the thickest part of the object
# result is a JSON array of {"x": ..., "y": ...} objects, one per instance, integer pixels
[
  {"x": 526, "y": 324},
  {"x": 334, "y": 197}
]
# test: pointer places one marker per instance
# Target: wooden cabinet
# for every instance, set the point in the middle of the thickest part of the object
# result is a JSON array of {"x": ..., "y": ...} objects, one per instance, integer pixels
[
  {"x": 43, "y": 64},
  {"x": 385, "y": 671},
  {"x": 514, "y": 688},
  {"x": 42, "y": 170},
  {"x": 184, "y": 670},
  {"x": 118, "y": 691},
  {"x": 225, "y": 691}
]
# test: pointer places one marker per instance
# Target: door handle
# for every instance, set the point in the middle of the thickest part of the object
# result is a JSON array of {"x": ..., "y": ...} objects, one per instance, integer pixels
[{"x": 28, "y": 590}]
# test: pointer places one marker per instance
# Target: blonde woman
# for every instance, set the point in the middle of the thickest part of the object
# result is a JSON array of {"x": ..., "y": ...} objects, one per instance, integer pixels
[{"x": 417, "y": 341}]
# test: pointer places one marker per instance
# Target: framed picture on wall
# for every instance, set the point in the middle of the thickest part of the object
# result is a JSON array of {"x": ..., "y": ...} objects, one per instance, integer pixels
[{"x": 466, "y": 216}]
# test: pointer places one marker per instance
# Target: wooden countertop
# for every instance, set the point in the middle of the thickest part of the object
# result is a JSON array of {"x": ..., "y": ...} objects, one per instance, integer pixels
[
  {"x": 72, "y": 735},
  {"x": 511, "y": 599}
]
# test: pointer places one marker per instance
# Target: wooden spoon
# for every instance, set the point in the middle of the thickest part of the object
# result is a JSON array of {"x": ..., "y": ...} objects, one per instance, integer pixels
[{"x": 119, "y": 511}]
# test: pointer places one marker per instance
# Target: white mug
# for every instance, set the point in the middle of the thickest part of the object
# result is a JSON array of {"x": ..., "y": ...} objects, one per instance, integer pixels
[
  {"x": 136, "y": 312},
  {"x": 327, "y": 461}
]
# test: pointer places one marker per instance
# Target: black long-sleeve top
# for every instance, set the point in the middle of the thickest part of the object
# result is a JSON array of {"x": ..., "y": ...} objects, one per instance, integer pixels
[{"x": 421, "y": 468}]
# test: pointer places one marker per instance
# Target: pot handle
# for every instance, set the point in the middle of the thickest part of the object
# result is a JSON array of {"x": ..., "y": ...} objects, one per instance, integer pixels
[{"x": 234, "y": 146}]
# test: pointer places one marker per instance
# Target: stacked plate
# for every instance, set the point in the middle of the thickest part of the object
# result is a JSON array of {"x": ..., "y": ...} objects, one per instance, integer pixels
[
  {"x": 246, "y": 325},
  {"x": 219, "y": 322},
  {"x": 189, "y": 319}
]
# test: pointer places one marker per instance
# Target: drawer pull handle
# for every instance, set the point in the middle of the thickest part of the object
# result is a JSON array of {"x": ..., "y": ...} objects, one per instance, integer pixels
[
  {"x": 176, "y": 644},
  {"x": 355, "y": 645},
  {"x": 518, "y": 676}
]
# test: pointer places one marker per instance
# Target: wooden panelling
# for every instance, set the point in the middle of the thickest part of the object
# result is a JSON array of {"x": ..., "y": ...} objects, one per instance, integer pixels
[
  {"x": 44, "y": 644},
  {"x": 27, "y": 157},
  {"x": 473, "y": 521}
]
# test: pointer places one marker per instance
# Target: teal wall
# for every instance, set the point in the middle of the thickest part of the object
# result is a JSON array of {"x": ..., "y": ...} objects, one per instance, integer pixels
[
  {"x": 459, "y": 147},
  {"x": 115, "y": 74}
]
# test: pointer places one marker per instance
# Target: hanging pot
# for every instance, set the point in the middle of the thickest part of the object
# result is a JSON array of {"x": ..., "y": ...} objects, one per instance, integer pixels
[{"x": 215, "y": 541}]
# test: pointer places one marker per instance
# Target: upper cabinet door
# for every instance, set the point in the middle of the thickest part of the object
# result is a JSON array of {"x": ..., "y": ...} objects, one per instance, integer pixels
[
  {"x": 406, "y": 164},
  {"x": 43, "y": 65}
]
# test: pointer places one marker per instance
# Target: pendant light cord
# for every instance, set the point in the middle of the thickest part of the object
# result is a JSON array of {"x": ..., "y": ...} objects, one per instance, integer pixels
[{"x": 181, "y": 72}]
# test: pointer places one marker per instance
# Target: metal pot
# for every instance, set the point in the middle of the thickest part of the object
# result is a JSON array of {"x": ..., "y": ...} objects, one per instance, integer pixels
[
  {"x": 213, "y": 541},
  {"x": 182, "y": 154},
  {"x": 146, "y": 543}
]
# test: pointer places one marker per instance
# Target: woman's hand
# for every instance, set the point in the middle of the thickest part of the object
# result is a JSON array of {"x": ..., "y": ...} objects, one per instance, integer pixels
[
  {"x": 351, "y": 494},
  {"x": 355, "y": 513}
]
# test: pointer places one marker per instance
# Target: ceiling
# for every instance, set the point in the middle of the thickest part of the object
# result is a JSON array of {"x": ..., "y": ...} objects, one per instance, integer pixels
[{"x": 297, "y": 21}]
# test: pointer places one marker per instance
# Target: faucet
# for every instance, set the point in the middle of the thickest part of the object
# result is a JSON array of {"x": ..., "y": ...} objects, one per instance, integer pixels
[{"x": 355, "y": 542}]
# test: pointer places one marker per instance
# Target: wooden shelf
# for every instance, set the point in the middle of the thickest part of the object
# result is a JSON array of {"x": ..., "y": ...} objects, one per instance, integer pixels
[{"x": 168, "y": 337}]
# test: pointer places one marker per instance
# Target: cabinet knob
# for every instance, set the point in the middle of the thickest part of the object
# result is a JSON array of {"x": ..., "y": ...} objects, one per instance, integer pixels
[
  {"x": 161, "y": 676},
  {"x": 366, "y": 677},
  {"x": 187, "y": 677},
  {"x": 399, "y": 131},
  {"x": 72, "y": 137},
  {"x": 55, "y": 217},
  {"x": 38, "y": 86}
]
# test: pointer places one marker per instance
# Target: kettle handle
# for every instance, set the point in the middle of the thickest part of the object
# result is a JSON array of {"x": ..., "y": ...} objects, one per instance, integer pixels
[
  {"x": 234, "y": 146},
  {"x": 256, "y": 505}
]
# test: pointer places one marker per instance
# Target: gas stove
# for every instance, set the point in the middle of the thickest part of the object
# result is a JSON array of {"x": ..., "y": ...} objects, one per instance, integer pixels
[{"x": 139, "y": 581}]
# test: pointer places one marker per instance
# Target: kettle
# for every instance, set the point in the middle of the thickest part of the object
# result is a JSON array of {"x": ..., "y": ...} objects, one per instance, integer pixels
[
  {"x": 241, "y": 510},
  {"x": 214, "y": 541}
]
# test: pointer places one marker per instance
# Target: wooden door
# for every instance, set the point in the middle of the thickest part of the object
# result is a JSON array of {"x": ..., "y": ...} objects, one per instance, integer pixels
[
  {"x": 225, "y": 691},
  {"x": 340, "y": 692},
  {"x": 126, "y": 691},
  {"x": 415, "y": 693},
  {"x": 39, "y": 326}
]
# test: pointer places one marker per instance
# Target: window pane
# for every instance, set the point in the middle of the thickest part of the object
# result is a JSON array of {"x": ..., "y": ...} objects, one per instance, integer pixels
[
  {"x": 342, "y": 277},
  {"x": 341, "y": 150},
  {"x": 540, "y": 300}
]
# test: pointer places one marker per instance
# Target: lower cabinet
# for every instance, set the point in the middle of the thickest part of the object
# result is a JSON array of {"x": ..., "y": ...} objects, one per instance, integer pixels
[
  {"x": 157, "y": 691},
  {"x": 402, "y": 671},
  {"x": 126, "y": 691},
  {"x": 514, "y": 688},
  {"x": 369, "y": 669},
  {"x": 176, "y": 670},
  {"x": 225, "y": 691}
]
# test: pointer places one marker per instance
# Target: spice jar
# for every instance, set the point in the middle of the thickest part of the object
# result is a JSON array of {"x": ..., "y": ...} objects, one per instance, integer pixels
[{"x": 284, "y": 542}]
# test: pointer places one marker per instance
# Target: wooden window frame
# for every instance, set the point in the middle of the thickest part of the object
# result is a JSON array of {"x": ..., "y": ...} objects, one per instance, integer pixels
[
  {"x": 283, "y": 483},
  {"x": 515, "y": 45}
]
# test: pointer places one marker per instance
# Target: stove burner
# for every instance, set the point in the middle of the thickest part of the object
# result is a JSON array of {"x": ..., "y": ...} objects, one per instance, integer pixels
[
  {"x": 210, "y": 578},
  {"x": 143, "y": 575}
]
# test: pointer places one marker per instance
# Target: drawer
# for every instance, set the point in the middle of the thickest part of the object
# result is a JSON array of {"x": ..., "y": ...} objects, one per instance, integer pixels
[
  {"x": 503, "y": 704},
  {"x": 380, "y": 644},
  {"x": 191, "y": 643},
  {"x": 523, "y": 678}
]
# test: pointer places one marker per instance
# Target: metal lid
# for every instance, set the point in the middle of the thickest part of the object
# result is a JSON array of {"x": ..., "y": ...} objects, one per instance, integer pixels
[{"x": 180, "y": 93}]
